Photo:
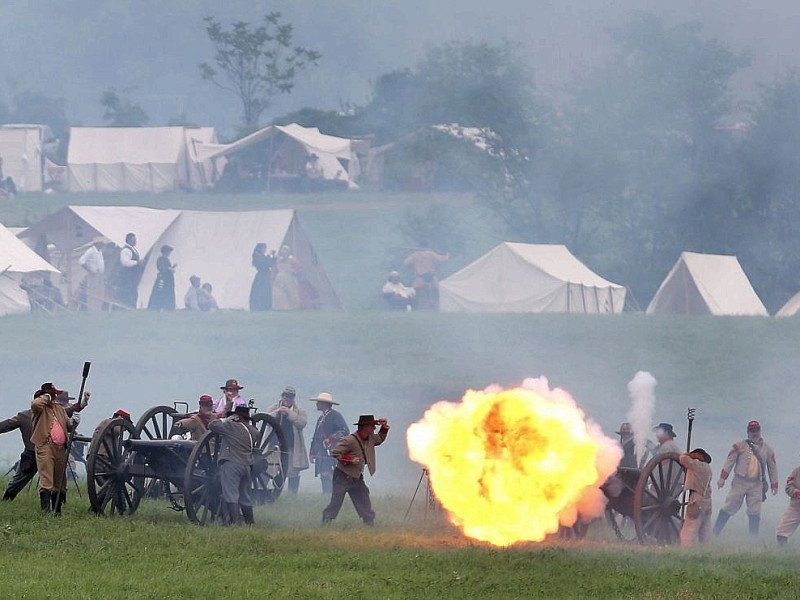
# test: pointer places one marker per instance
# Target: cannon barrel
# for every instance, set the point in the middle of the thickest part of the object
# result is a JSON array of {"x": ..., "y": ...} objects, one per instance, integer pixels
[{"x": 143, "y": 445}]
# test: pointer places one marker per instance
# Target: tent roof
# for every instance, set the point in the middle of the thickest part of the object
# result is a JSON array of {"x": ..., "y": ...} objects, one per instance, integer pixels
[
  {"x": 791, "y": 308},
  {"x": 16, "y": 257},
  {"x": 558, "y": 262},
  {"x": 706, "y": 284},
  {"x": 309, "y": 137},
  {"x": 129, "y": 145},
  {"x": 115, "y": 222}
]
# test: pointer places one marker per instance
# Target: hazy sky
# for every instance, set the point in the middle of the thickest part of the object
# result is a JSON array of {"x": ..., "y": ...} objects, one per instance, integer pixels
[{"x": 77, "y": 50}]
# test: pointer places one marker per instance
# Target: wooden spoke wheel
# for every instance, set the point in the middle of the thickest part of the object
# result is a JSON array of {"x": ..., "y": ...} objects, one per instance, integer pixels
[
  {"x": 271, "y": 460},
  {"x": 202, "y": 491},
  {"x": 156, "y": 423},
  {"x": 110, "y": 485},
  {"x": 657, "y": 501}
]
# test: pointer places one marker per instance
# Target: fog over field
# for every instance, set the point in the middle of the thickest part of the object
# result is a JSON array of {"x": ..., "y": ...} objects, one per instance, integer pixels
[{"x": 75, "y": 51}]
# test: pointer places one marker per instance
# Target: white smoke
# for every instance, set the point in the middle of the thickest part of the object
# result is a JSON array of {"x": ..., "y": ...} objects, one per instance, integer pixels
[{"x": 641, "y": 390}]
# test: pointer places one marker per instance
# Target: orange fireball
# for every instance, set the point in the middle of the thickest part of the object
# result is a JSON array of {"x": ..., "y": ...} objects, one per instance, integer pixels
[{"x": 511, "y": 465}]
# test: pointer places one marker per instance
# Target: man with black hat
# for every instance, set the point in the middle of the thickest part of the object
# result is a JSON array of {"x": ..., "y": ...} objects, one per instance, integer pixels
[
  {"x": 331, "y": 427},
  {"x": 51, "y": 427},
  {"x": 697, "y": 484},
  {"x": 665, "y": 435},
  {"x": 292, "y": 419},
  {"x": 25, "y": 469},
  {"x": 238, "y": 438},
  {"x": 750, "y": 460},
  {"x": 129, "y": 273},
  {"x": 230, "y": 398},
  {"x": 196, "y": 424},
  {"x": 626, "y": 440},
  {"x": 353, "y": 452}
]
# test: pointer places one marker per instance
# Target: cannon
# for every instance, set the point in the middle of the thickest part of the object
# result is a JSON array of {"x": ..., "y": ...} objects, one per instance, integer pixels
[
  {"x": 650, "y": 497},
  {"x": 125, "y": 462}
]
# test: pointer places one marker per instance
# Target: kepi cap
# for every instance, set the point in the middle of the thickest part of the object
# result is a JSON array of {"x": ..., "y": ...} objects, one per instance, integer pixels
[
  {"x": 206, "y": 399},
  {"x": 120, "y": 412},
  {"x": 753, "y": 426}
]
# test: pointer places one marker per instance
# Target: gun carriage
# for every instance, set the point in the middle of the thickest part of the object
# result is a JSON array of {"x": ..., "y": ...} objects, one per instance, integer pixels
[{"x": 127, "y": 461}]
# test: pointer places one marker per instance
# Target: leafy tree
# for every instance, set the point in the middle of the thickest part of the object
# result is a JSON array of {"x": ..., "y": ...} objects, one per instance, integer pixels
[
  {"x": 121, "y": 111},
  {"x": 255, "y": 62},
  {"x": 35, "y": 107}
]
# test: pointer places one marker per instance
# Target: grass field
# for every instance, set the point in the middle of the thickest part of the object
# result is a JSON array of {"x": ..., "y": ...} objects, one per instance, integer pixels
[{"x": 393, "y": 364}]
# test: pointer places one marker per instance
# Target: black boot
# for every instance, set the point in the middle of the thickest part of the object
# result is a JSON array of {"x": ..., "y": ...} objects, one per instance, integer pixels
[
  {"x": 722, "y": 518},
  {"x": 782, "y": 539},
  {"x": 247, "y": 513},
  {"x": 44, "y": 499},
  {"x": 233, "y": 513},
  {"x": 755, "y": 521}
]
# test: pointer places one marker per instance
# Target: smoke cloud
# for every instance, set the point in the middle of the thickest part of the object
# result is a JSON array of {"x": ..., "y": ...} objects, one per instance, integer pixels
[{"x": 641, "y": 390}]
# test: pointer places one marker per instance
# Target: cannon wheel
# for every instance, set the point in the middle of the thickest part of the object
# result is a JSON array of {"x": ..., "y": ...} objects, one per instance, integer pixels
[
  {"x": 202, "y": 491},
  {"x": 657, "y": 502},
  {"x": 109, "y": 483},
  {"x": 271, "y": 460},
  {"x": 156, "y": 423}
]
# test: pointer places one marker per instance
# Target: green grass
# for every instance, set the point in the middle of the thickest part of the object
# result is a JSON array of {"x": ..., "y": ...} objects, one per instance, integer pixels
[{"x": 156, "y": 553}]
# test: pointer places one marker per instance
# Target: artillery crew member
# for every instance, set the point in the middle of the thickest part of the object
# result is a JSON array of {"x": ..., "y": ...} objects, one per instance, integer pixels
[
  {"x": 230, "y": 398},
  {"x": 239, "y": 437},
  {"x": 697, "y": 484},
  {"x": 791, "y": 516},
  {"x": 331, "y": 427},
  {"x": 197, "y": 424},
  {"x": 626, "y": 440},
  {"x": 49, "y": 436},
  {"x": 750, "y": 460},
  {"x": 292, "y": 419},
  {"x": 353, "y": 452},
  {"x": 665, "y": 435}
]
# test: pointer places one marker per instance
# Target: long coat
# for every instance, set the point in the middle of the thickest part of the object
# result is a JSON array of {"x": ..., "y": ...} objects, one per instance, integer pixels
[{"x": 297, "y": 419}]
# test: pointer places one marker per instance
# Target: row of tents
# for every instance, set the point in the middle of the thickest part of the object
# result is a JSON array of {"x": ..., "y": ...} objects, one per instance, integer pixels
[
  {"x": 159, "y": 159},
  {"x": 217, "y": 247}
]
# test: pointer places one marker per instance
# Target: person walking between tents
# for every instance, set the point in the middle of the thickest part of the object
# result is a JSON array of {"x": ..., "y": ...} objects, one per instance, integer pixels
[{"x": 129, "y": 273}]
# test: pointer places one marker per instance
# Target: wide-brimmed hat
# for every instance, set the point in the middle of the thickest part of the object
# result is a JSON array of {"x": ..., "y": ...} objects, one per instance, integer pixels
[
  {"x": 365, "y": 420},
  {"x": 666, "y": 428},
  {"x": 324, "y": 397},
  {"x": 64, "y": 397},
  {"x": 231, "y": 384},
  {"x": 99, "y": 239},
  {"x": 706, "y": 456},
  {"x": 206, "y": 399},
  {"x": 625, "y": 429},
  {"x": 242, "y": 409}
]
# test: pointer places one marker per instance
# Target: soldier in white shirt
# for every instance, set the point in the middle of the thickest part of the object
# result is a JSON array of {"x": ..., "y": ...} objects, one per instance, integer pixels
[{"x": 94, "y": 285}]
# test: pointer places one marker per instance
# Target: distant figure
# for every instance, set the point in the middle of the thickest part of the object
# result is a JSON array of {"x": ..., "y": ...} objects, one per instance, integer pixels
[
  {"x": 426, "y": 283},
  {"x": 93, "y": 287},
  {"x": 313, "y": 167},
  {"x": 190, "y": 299},
  {"x": 8, "y": 188},
  {"x": 399, "y": 296},
  {"x": 205, "y": 299},
  {"x": 163, "y": 295},
  {"x": 791, "y": 516},
  {"x": 625, "y": 434},
  {"x": 285, "y": 288},
  {"x": 129, "y": 273},
  {"x": 261, "y": 290}
]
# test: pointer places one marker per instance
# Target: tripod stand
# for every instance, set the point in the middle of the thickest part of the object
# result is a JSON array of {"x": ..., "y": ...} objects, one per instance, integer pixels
[{"x": 430, "y": 497}]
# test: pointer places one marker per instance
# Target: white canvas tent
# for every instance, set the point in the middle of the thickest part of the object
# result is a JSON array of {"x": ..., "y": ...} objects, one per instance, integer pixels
[
  {"x": 138, "y": 159},
  {"x": 21, "y": 149},
  {"x": 17, "y": 261},
  {"x": 216, "y": 246},
  {"x": 791, "y": 308},
  {"x": 540, "y": 278},
  {"x": 706, "y": 284},
  {"x": 288, "y": 149}
]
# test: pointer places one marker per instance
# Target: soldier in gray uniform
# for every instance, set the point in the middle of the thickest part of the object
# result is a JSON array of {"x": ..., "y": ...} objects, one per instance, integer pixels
[
  {"x": 750, "y": 460},
  {"x": 238, "y": 438}
]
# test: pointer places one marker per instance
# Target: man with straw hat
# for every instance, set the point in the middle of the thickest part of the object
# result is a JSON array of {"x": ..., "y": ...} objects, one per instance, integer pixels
[{"x": 331, "y": 427}]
